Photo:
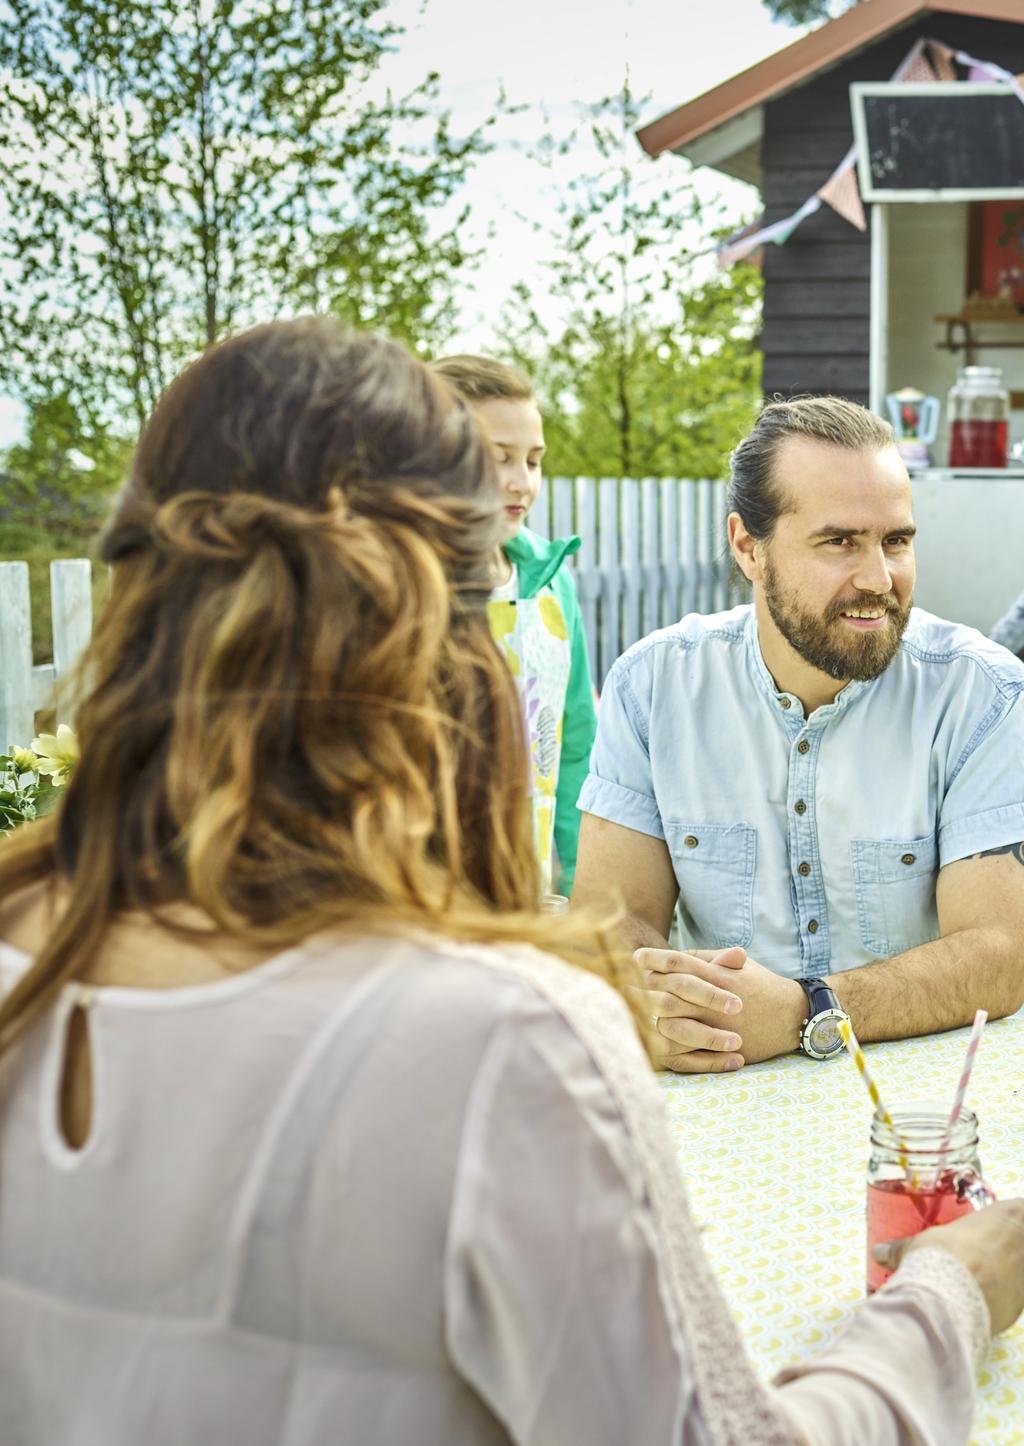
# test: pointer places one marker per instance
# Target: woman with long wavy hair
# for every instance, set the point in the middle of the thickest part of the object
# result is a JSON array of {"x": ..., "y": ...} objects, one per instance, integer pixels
[{"x": 303, "y": 1139}]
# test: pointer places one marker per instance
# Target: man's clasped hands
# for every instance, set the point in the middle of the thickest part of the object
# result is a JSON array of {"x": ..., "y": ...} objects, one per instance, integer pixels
[{"x": 715, "y": 1010}]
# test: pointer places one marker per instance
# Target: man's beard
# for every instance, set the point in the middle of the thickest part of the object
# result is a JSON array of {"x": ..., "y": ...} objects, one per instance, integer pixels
[{"x": 826, "y": 643}]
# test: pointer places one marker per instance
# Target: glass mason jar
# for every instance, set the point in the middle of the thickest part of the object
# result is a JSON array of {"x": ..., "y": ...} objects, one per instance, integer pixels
[
  {"x": 979, "y": 418},
  {"x": 917, "y": 1179}
]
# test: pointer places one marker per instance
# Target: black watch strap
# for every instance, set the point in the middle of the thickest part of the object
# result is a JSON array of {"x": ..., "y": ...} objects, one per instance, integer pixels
[{"x": 820, "y": 996}]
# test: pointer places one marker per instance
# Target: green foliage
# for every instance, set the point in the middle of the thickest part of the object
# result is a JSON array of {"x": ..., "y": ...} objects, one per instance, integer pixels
[
  {"x": 671, "y": 399},
  {"x": 24, "y": 794},
  {"x": 54, "y": 489},
  {"x": 173, "y": 169},
  {"x": 652, "y": 372},
  {"x": 805, "y": 12},
  {"x": 64, "y": 470}
]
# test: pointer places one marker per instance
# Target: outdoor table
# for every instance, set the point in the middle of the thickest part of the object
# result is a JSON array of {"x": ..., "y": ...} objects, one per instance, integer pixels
[{"x": 775, "y": 1156}]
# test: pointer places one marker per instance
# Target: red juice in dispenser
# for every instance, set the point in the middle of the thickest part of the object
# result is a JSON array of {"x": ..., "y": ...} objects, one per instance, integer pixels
[
  {"x": 979, "y": 418},
  {"x": 978, "y": 444}
]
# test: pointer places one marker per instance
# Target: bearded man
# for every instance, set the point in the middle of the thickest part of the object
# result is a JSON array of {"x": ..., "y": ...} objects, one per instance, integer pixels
[{"x": 829, "y": 782}]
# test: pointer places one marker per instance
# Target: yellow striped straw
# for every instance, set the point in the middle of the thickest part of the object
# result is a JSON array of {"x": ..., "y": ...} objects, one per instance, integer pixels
[{"x": 857, "y": 1055}]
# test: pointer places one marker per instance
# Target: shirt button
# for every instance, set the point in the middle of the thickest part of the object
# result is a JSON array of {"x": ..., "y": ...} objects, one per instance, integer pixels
[
  {"x": 691, "y": 841},
  {"x": 908, "y": 859},
  {"x": 812, "y": 926},
  {"x": 804, "y": 869},
  {"x": 799, "y": 806},
  {"x": 802, "y": 746},
  {"x": 785, "y": 702}
]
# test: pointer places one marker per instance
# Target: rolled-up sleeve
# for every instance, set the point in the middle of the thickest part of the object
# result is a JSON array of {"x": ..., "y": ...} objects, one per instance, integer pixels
[
  {"x": 619, "y": 786},
  {"x": 904, "y": 1368},
  {"x": 984, "y": 804}
]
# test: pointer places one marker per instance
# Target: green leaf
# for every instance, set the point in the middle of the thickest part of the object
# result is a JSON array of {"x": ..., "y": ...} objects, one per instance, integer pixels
[{"x": 804, "y": 12}]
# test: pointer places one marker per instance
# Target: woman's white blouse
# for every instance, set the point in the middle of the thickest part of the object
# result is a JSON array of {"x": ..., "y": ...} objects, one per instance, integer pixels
[{"x": 387, "y": 1192}]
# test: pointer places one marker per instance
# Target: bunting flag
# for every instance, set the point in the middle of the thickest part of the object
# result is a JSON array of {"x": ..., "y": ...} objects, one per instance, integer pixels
[
  {"x": 732, "y": 248},
  {"x": 985, "y": 69},
  {"x": 919, "y": 71},
  {"x": 842, "y": 189},
  {"x": 927, "y": 61},
  {"x": 743, "y": 242},
  {"x": 942, "y": 58},
  {"x": 842, "y": 192}
]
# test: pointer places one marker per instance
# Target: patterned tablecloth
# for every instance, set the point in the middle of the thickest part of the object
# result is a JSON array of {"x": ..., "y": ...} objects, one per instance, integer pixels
[{"x": 775, "y": 1156}]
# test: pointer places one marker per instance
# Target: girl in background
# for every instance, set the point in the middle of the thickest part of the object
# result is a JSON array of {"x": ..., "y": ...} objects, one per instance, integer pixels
[{"x": 534, "y": 611}]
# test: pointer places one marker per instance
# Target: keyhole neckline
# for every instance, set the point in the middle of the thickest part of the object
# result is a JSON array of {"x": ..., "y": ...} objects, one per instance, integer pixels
[{"x": 75, "y": 1001}]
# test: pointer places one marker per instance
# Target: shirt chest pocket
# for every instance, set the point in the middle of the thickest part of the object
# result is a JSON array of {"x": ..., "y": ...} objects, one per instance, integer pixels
[
  {"x": 895, "y": 883},
  {"x": 714, "y": 867}
]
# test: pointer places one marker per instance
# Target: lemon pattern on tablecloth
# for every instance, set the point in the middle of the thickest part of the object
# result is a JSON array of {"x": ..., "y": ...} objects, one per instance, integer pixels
[{"x": 774, "y": 1158}]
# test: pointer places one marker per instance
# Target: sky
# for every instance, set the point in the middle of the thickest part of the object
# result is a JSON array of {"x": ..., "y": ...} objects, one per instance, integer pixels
[{"x": 551, "y": 57}]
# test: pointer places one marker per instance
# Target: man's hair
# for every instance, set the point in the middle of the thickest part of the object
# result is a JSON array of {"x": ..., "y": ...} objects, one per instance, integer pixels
[
  {"x": 483, "y": 378},
  {"x": 754, "y": 491}
]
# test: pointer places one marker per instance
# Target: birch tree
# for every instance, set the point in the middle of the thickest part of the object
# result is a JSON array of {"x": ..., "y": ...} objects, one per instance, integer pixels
[
  {"x": 652, "y": 369},
  {"x": 170, "y": 172}
]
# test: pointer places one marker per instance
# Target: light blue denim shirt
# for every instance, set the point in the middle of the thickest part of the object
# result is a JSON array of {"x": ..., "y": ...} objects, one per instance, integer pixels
[{"x": 815, "y": 843}]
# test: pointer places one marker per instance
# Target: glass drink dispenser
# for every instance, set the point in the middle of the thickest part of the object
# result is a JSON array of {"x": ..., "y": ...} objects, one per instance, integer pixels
[{"x": 979, "y": 419}]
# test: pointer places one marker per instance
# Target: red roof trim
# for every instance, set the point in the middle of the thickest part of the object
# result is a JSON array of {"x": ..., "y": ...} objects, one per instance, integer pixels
[{"x": 826, "y": 46}]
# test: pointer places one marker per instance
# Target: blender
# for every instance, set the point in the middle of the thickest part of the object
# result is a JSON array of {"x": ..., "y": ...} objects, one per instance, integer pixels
[{"x": 915, "y": 420}]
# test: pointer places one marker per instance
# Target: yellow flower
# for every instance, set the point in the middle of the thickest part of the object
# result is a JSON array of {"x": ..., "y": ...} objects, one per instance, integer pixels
[
  {"x": 24, "y": 760},
  {"x": 56, "y": 755}
]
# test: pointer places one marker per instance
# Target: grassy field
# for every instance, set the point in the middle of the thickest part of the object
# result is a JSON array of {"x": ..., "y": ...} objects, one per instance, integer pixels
[{"x": 38, "y": 546}]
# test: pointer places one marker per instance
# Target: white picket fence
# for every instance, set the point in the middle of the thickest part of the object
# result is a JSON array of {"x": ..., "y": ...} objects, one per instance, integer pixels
[
  {"x": 25, "y": 687},
  {"x": 652, "y": 551}
]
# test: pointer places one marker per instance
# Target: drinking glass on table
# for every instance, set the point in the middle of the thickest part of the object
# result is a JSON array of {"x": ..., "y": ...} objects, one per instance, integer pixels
[{"x": 920, "y": 1174}]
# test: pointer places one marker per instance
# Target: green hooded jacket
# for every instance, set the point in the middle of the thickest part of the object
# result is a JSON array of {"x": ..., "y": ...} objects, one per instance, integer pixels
[{"x": 541, "y": 635}]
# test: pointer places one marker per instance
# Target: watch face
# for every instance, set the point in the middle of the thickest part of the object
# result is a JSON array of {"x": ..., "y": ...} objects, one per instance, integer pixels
[{"x": 823, "y": 1036}]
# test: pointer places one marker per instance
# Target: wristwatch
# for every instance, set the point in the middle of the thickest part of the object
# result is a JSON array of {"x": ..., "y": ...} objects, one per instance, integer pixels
[{"x": 819, "y": 1033}]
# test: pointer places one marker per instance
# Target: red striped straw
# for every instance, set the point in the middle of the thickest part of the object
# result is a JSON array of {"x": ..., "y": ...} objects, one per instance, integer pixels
[{"x": 965, "y": 1075}]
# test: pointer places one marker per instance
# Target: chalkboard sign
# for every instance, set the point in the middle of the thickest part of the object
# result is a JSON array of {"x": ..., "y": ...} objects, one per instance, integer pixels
[{"x": 949, "y": 141}]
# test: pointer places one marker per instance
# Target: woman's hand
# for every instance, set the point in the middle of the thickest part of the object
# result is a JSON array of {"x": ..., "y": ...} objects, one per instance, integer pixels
[{"x": 990, "y": 1243}]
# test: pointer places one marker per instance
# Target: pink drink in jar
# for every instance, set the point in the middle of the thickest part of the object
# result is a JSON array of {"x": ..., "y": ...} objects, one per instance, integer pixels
[
  {"x": 918, "y": 1178},
  {"x": 896, "y": 1210}
]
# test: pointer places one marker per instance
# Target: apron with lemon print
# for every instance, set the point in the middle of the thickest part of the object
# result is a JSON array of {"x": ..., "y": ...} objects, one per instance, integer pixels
[{"x": 532, "y": 634}]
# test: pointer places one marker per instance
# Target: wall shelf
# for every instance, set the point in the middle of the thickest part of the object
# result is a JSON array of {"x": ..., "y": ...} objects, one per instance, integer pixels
[{"x": 961, "y": 334}]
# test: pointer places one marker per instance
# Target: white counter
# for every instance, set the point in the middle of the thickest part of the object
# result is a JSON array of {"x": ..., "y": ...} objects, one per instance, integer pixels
[
  {"x": 970, "y": 543},
  {"x": 967, "y": 474}
]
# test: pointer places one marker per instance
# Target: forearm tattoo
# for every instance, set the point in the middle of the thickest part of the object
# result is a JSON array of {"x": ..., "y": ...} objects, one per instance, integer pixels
[{"x": 1015, "y": 850}]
